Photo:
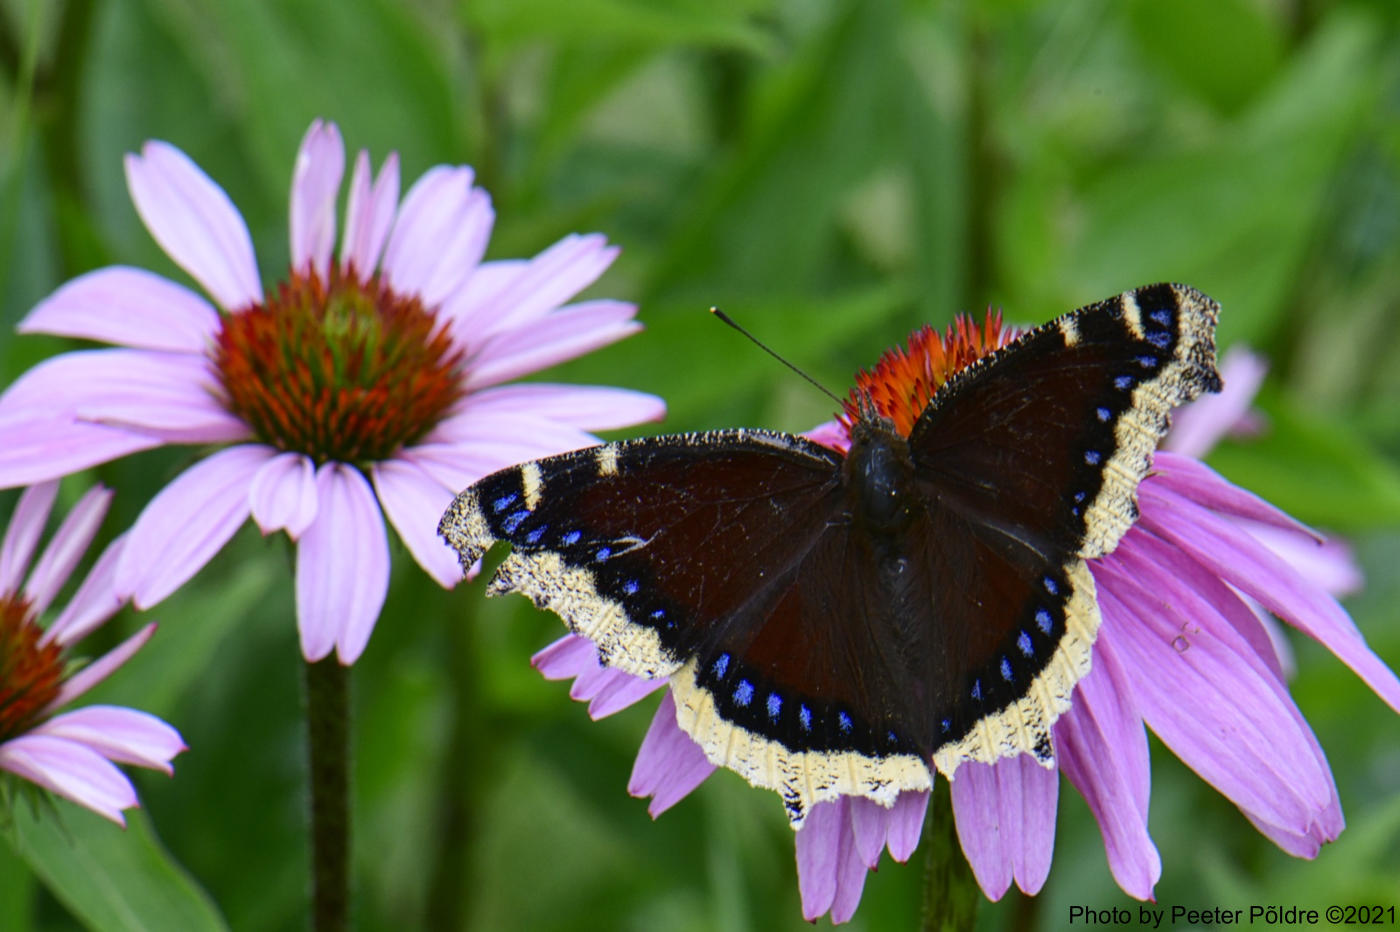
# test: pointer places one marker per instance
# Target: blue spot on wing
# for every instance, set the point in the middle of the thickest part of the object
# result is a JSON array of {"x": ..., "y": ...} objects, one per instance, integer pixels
[
  {"x": 1051, "y": 586},
  {"x": 721, "y": 666},
  {"x": 1161, "y": 339},
  {"x": 514, "y": 520},
  {"x": 533, "y": 537},
  {"x": 1161, "y": 316},
  {"x": 1092, "y": 457},
  {"x": 775, "y": 706},
  {"x": 804, "y": 717},
  {"x": 630, "y": 587},
  {"x": 1006, "y": 673},
  {"x": 1103, "y": 414},
  {"x": 977, "y": 690},
  {"x": 743, "y": 693},
  {"x": 602, "y": 555},
  {"x": 843, "y": 722},
  {"x": 1123, "y": 382},
  {"x": 1043, "y": 620},
  {"x": 570, "y": 538},
  {"x": 1023, "y": 641},
  {"x": 1147, "y": 362},
  {"x": 504, "y": 502}
]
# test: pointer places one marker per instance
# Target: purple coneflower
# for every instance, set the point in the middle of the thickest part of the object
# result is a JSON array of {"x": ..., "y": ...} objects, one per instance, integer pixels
[
  {"x": 72, "y": 753},
  {"x": 365, "y": 384},
  {"x": 1179, "y": 651}
]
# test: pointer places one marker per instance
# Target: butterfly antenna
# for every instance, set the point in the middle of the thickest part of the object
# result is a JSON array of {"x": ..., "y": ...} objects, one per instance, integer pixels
[{"x": 763, "y": 346}]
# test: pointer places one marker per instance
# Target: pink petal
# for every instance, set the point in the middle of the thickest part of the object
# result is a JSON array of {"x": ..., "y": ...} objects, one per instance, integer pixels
[
  {"x": 1249, "y": 566},
  {"x": 66, "y": 548},
  {"x": 669, "y": 764},
  {"x": 1207, "y": 695},
  {"x": 188, "y": 522},
  {"x": 42, "y": 445},
  {"x": 1102, "y": 749},
  {"x": 440, "y": 235},
  {"x": 71, "y": 770},
  {"x": 129, "y": 307},
  {"x": 95, "y": 601},
  {"x": 1198, "y": 427},
  {"x": 1005, "y": 817},
  {"x": 1197, "y": 482},
  {"x": 604, "y": 689},
  {"x": 283, "y": 494},
  {"x": 1327, "y": 564},
  {"x": 587, "y": 407},
  {"x": 550, "y": 279},
  {"x": 22, "y": 535},
  {"x": 413, "y": 502},
  {"x": 512, "y": 438},
  {"x": 868, "y": 829},
  {"x": 342, "y": 567},
  {"x": 369, "y": 214},
  {"x": 196, "y": 224},
  {"x": 315, "y": 183},
  {"x": 118, "y": 734},
  {"x": 566, "y": 658},
  {"x": 906, "y": 822},
  {"x": 168, "y": 396},
  {"x": 832, "y": 434},
  {"x": 97, "y": 671},
  {"x": 830, "y": 873},
  {"x": 483, "y": 288},
  {"x": 570, "y": 332}
]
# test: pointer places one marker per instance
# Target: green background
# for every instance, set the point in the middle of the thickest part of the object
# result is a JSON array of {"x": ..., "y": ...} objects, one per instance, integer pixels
[{"x": 832, "y": 172}]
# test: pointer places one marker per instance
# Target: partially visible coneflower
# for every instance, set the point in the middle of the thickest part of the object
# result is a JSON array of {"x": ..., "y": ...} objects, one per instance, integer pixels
[
  {"x": 72, "y": 754},
  {"x": 1179, "y": 651}
]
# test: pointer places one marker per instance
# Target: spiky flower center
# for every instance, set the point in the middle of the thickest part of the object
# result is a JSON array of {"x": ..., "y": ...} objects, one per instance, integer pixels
[
  {"x": 345, "y": 369},
  {"x": 904, "y": 380},
  {"x": 31, "y": 672}
]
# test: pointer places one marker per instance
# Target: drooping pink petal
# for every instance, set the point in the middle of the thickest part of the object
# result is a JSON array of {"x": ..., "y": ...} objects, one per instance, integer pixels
[
  {"x": 283, "y": 494},
  {"x": 906, "y": 823},
  {"x": 1203, "y": 690},
  {"x": 413, "y": 501},
  {"x": 119, "y": 734},
  {"x": 571, "y": 332},
  {"x": 128, "y": 307},
  {"x": 97, "y": 671},
  {"x": 188, "y": 522},
  {"x": 606, "y": 690},
  {"x": 71, "y": 770},
  {"x": 830, "y": 434},
  {"x": 1101, "y": 746},
  {"x": 1327, "y": 564},
  {"x": 369, "y": 213},
  {"x": 95, "y": 601},
  {"x": 342, "y": 573},
  {"x": 1005, "y": 817},
  {"x": 669, "y": 763},
  {"x": 440, "y": 234},
  {"x": 868, "y": 829},
  {"x": 1256, "y": 571},
  {"x": 22, "y": 534},
  {"x": 320, "y": 165},
  {"x": 66, "y": 548},
  {"x": 547, "y": 281},
  {"x": 194, "y": 221},
  {"x": 587, "y": 407},
  {"x": 1197, "y": 482},
  {"x": 830, "y": 873},
  {"x": 40, "y": 446}
]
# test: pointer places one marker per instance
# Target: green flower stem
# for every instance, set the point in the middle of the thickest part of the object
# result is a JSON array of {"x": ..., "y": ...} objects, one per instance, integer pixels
[
  {"x": 328, "y": 745},
  {"x": 951, "y": 894}
]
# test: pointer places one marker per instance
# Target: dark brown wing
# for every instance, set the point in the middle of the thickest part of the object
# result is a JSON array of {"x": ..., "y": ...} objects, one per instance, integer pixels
[{"x": 1028, "y": 463}]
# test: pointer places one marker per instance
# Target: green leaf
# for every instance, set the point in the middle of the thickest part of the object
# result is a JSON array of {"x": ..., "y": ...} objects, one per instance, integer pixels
[
  {"x": 640, "y": 21},
  {"x": 109, "y": 878}
]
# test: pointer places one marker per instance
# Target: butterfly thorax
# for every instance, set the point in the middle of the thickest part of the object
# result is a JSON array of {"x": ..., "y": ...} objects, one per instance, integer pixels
[{"x": 878, "y": 477}]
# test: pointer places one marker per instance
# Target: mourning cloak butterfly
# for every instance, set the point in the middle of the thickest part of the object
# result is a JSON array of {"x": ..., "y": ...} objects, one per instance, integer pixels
[{"x": 843, "y": 624}]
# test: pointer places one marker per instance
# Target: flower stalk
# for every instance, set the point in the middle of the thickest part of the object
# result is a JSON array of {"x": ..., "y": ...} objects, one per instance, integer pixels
[
  {"x": 951, "y": 893},
  {"x": 328, "y": 747}
]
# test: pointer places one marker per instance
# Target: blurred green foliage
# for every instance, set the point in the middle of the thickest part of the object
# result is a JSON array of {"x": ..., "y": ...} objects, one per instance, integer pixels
[{"x": 833, "y": 172}]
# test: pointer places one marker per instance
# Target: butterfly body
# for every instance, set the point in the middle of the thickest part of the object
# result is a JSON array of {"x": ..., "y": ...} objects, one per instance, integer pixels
[{"x": 846, "y": 623}]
